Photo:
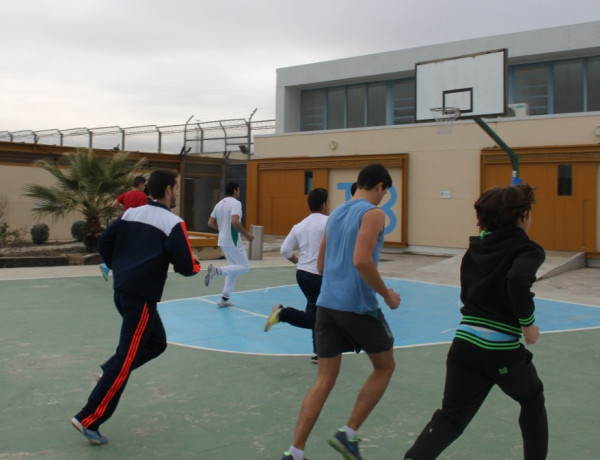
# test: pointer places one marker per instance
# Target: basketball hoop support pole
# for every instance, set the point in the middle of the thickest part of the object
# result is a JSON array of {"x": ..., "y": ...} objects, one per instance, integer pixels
[{"x": 514, "y": 159}]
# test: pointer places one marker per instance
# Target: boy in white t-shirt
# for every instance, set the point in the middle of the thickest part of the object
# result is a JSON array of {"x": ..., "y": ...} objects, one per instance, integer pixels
[
  {"x": 306, "y": 236},
  {"x": 226, "y": 217}
]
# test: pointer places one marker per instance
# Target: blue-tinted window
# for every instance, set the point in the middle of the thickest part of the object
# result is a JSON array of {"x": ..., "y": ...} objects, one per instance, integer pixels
[
  {"x": 593, "y": 84},
  {"x": 336, "y": 108},
  {"x": 355, "y": 102},
  {"x": 403, "y": 102},
  {"x": 531, "y": 86},
  {"x": 312, "y": 109},
  {"x": 568, "y": 87},
  {"x": 376, "y": 104}
]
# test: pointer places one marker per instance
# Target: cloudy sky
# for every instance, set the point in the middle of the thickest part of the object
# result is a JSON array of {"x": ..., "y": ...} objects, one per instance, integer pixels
[{"x": 94, "y": 63}]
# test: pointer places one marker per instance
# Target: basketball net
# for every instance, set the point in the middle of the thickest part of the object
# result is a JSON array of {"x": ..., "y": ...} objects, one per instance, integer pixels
[{"x": 444, "y": 117}]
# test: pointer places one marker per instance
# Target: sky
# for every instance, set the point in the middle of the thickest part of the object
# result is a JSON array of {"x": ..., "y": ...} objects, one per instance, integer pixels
[{"x": 94, "y": 63}]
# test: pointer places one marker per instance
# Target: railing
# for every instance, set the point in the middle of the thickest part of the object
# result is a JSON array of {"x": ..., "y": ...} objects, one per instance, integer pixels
[{"x": 221, "y": 136}]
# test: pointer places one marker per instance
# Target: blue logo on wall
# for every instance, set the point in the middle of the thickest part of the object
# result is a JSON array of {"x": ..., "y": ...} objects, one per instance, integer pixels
[{"x": 387, "y": 207}]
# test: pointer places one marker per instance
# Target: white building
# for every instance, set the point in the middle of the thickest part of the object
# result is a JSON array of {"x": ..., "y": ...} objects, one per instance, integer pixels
[{"x": 332, "y": 117}]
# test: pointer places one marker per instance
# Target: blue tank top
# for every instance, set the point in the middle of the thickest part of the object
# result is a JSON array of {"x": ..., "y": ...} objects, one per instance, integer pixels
[{"x": 342, "y": 287}]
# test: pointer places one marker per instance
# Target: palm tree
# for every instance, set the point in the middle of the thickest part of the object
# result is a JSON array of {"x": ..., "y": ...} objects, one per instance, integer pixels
[{"x": 88, "y": 184}]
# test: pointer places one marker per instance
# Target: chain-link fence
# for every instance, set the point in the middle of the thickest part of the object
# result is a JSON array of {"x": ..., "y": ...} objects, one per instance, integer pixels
[{"x": 220, "y": 136}]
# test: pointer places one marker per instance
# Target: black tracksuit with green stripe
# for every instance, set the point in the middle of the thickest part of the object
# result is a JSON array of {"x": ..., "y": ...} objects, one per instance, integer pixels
[{"x": 497, "y": 273}]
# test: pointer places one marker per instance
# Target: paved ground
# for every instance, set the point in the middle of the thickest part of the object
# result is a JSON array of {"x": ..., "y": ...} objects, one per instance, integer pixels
[{"x": 58, "y": 323}]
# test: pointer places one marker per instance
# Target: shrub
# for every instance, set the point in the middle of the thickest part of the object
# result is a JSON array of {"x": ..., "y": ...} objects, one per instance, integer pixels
[
  {"x": 40, "y": 233},
  {"x": 77, "y": 230}
]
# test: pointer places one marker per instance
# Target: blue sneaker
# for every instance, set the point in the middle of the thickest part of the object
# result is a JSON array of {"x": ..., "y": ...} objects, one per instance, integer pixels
[
  {"x": 341, "y": 443},
  {"x": 104, "y": 270},
  {"x": 94, "y": 437}
]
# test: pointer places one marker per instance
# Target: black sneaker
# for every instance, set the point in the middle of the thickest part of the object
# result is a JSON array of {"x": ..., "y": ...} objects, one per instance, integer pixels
[
  {"x": 341, "y": 443},
  {"x": 288, "y": 456}
]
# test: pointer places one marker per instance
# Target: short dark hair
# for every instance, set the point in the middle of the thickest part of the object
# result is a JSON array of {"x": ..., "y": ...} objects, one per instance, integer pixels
[
  {"x": 138, "y": 180},
  {"x": 371, "y": 175},
  {"x": 353, "y": 189},
  {"x": 316, "y": 198},
  {"x": 159, "y": 180},
  {"x": 231, "y": 187},
  {"x": 501, "y": 207}
]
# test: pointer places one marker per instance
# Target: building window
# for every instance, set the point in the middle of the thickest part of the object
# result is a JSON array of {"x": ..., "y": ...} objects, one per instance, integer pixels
[
  {"x": 593, "y": 84},
  {"x": 403, "y": 102},
  {"x": 567, "y": 89},
  {"x": 356, "y": 106},
  {"x": 312, "y": 109},
  {"x": 308, "y": 182},
  {"x": 566, "y": 86},
  {"x": 336, "y": 108},
  {"x": 376, "y": 104},
  {"x": 565, "y": 180},
  {"x": 531, "y": 86}
]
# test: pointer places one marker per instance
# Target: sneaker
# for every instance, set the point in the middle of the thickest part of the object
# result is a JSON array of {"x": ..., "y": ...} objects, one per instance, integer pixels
[
  {"x": 104, "y": 270},
  {"x": 314, "y": 359},
  {"x": 341, "y": 443},
  {"x": 288, "y": 456},
  {"x": 224, "y": 303},
  {"x": 212, "y": 272},
  {"x": 94, "y": 437},
  {"x": 273, "y": 317}
]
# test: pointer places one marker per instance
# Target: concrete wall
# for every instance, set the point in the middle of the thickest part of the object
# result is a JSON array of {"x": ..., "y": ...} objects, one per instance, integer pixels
[{"x": 18, "y": 211}]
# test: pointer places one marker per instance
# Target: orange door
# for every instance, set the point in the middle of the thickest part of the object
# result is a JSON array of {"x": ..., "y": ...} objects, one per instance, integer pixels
[
  {"x": 282, "y": 198},
  {"x": 564, "y": 216}
]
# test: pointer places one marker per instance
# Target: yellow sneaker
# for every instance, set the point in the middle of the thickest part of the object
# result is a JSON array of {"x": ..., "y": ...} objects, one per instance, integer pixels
[{"x": 273, "y": 316}]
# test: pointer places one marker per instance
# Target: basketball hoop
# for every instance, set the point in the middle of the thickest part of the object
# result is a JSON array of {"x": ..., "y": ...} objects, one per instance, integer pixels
[{"x": 444, "y": 117}]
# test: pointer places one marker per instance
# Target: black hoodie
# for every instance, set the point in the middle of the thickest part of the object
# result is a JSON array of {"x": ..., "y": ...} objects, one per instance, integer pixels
[{"x": 496, "y": 276}]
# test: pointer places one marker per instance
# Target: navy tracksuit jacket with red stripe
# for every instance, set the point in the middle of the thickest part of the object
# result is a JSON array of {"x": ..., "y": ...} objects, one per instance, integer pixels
[{"x": 138, "y": 248}]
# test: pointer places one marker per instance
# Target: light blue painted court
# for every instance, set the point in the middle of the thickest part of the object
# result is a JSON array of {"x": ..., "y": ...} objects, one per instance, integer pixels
[{"x": 428, "y": 314}]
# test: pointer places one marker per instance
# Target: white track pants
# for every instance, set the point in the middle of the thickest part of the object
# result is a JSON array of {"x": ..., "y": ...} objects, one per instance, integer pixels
[{"x": 238, "y": 265}]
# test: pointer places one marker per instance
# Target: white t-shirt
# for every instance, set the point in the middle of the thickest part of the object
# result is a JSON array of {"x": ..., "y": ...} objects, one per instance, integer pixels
[
  {"x": 227, "y": 207},
  {"x": 307, "y": 236}
]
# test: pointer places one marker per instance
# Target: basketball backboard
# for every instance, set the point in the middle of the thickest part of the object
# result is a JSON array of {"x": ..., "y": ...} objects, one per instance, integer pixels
[{"x": 474, "y": 83}]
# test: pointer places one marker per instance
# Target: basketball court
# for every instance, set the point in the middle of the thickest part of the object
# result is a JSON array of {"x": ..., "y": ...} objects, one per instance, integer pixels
[{"x": 224, "y": 389}]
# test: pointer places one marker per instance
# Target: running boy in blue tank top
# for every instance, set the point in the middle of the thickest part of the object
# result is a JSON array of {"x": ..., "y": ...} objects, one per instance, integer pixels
[{"x": 348, "y": 313}]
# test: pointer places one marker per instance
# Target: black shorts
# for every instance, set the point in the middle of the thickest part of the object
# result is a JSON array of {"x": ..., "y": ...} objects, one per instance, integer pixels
[{"x": 339, "y": 331}]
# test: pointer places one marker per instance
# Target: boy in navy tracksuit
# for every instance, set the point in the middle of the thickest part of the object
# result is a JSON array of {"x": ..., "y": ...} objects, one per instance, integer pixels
[
  {"x": 138, "y": 248},
  {"x": 497, "y": 272}
]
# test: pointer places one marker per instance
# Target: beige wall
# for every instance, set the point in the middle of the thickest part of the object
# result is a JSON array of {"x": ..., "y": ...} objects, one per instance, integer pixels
[
  {"x": 437, "y": 163},
  {"x": 19, "y": 215},
  {"x": 19, "y": 209}
]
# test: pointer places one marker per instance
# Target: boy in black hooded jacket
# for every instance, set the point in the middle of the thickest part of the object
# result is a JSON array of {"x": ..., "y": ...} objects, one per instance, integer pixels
[{"x": 497, "y": 272}]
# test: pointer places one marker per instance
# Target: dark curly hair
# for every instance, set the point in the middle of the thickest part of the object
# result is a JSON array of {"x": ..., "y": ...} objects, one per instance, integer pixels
[{"x": 501, "y": 207}]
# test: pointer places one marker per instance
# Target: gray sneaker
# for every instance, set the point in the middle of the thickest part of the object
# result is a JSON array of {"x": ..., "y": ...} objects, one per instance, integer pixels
[
  {"x": 348, "y": 449},
  {"x": 94, "y": 437},
  {"x": 212, "y": 272},
  {"x": 224, "y": 303}
]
